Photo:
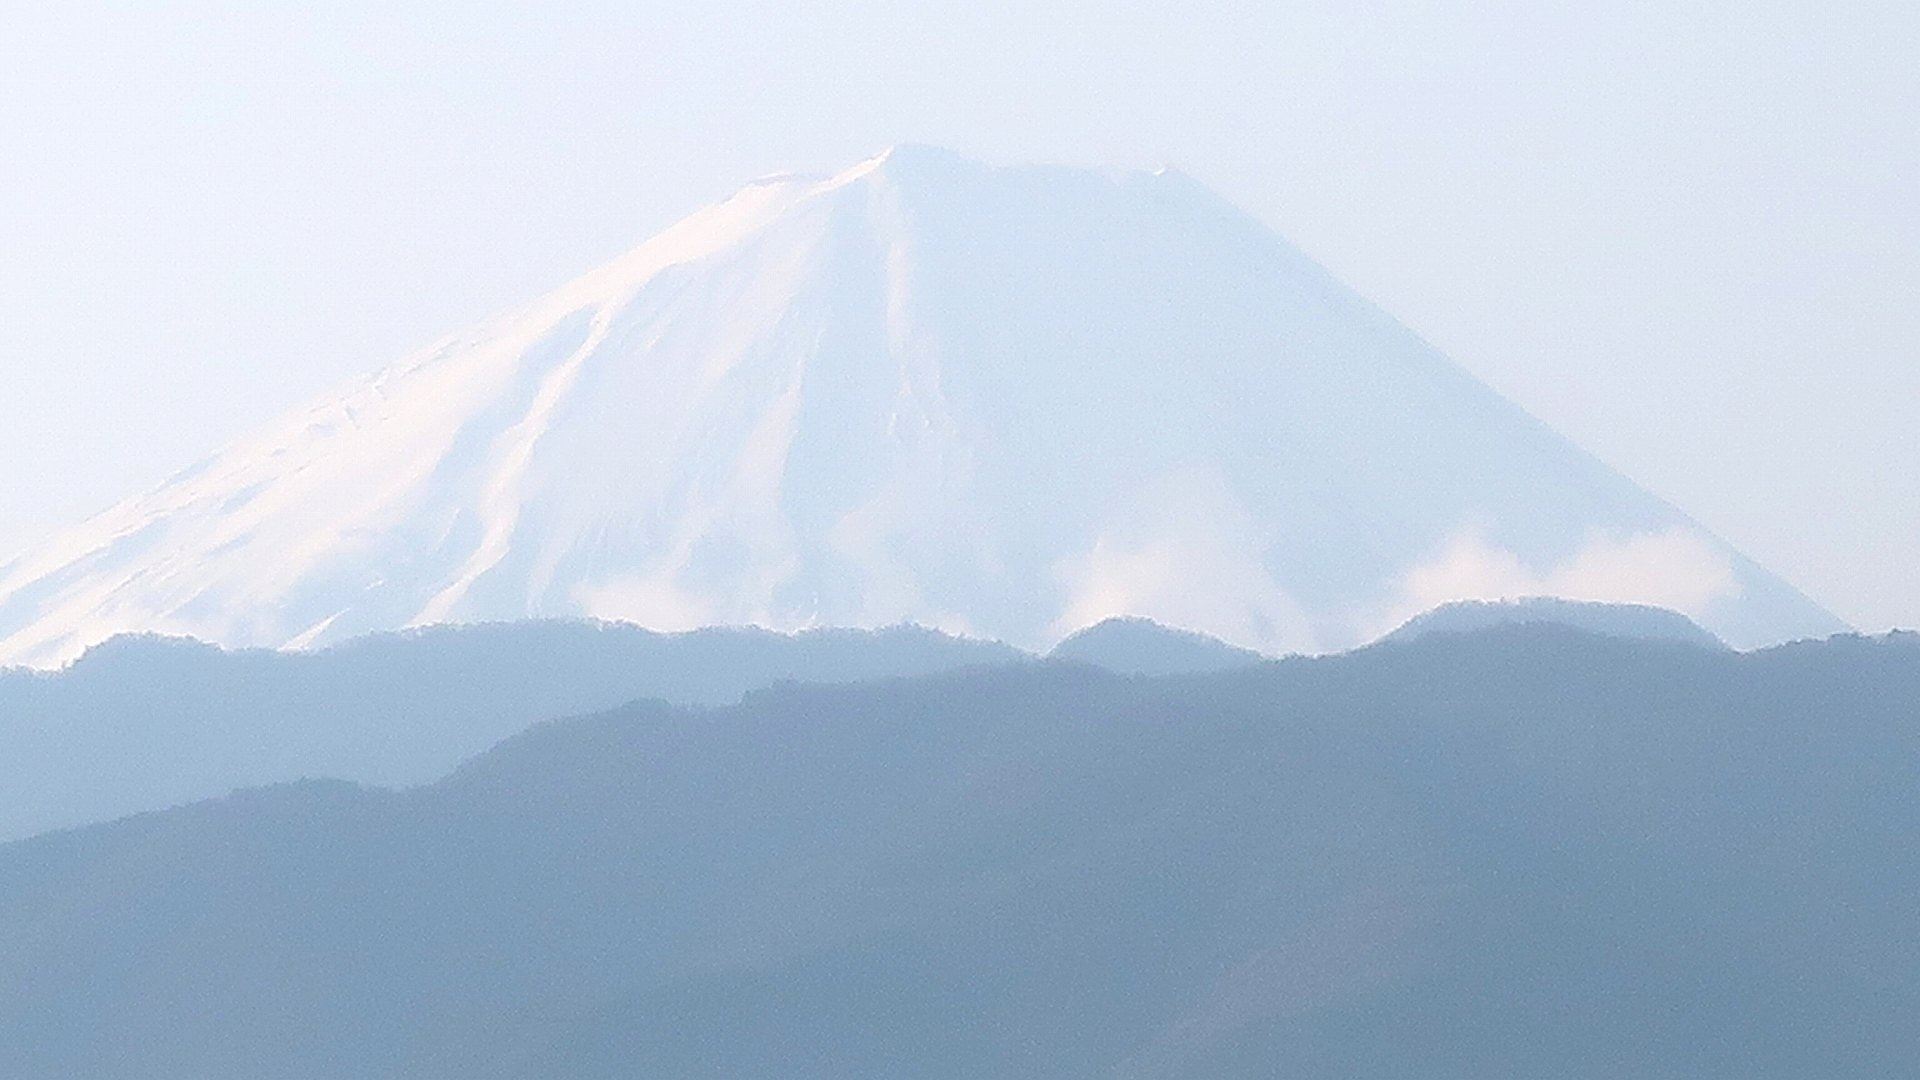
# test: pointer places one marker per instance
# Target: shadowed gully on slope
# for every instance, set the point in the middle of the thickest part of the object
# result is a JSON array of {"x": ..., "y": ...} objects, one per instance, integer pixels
[{"x": 1523, "y": 852}]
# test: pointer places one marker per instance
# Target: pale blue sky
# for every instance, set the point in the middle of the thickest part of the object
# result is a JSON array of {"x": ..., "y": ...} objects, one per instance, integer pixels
[{"x": 1686, "y": 235}]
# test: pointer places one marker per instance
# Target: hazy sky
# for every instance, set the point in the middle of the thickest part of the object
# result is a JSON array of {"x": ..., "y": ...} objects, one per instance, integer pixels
[{"x": 1688, "y": 236}]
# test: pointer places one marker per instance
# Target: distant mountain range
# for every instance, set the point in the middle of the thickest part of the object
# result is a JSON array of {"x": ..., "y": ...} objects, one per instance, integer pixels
[
  {"x": 143, "y": 722},
  {"x": 1523, "y": 851},
  {"x": 486, "y": 826},
  {"x": 1008, "y": 402}
]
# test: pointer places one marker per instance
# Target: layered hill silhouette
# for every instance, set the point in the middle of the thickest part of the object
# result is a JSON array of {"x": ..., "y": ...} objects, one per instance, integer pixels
[
  {"x": 1008, "y": 402},
  {"x": 142, "y": 723},
  {"x": 1526, "y": 851}
]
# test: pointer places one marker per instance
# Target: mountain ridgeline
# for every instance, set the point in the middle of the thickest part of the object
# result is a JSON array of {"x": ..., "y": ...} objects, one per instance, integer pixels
[
  {"x": 142, "y": 723},
  {"x": 1523, "y": 851},
  {"x": 1547, "y": 837}
]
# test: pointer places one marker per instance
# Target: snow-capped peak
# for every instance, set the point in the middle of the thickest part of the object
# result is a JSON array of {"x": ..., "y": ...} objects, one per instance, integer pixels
[{"x": 1005, "y": 401}]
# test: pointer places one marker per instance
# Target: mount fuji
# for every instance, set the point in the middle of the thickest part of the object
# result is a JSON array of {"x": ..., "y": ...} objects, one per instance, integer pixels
[{"x": 1004, "y": 402}]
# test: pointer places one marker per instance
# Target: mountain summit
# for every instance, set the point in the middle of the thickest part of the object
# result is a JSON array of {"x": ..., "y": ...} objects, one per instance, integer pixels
[{"x": 1010, "y": 402}]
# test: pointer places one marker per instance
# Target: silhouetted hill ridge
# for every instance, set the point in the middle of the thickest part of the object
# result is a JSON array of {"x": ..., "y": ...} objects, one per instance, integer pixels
[
  {"x": 144, "y": 721},
  {"x": 1526, "y": 851},
  {"x": 1137, "y": 646},
  {"x": 1617, "y": 620}
]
